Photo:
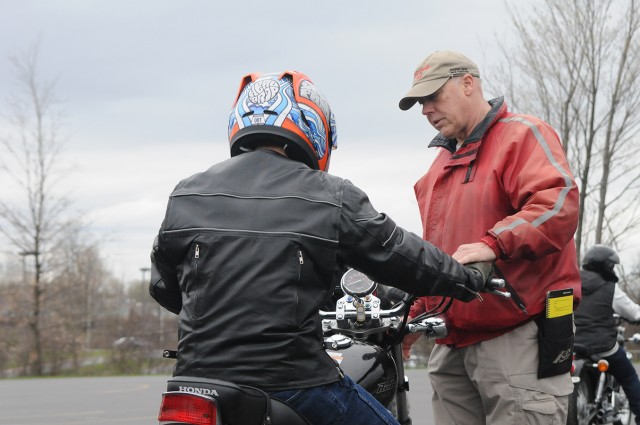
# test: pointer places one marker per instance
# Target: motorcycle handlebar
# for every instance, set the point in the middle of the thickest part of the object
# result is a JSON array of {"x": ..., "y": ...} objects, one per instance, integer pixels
[
  {"x": 493, "y": 286},
  {"x": 496, "y": 283},
  {"x": 397, "y": 310},
  {"x": 635, "y": 338}
]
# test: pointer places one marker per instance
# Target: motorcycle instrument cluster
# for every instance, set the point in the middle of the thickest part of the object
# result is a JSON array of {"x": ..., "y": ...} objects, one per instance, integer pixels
[{"x": 357, "y": 284}]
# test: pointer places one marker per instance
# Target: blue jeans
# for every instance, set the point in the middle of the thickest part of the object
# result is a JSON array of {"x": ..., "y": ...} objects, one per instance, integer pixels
[
  {"x": 341, "y": 403},
  {"x": 624, "y": 372}
]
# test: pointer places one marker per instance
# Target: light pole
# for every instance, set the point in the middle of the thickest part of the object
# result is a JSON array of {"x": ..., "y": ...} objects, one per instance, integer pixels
[
  {"x": 24, "y": 254},
  {"x": 144, "y": 271}
]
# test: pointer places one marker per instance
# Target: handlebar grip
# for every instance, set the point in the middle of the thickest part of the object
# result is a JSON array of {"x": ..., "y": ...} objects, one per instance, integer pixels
[{"x": 431, "y": 327}]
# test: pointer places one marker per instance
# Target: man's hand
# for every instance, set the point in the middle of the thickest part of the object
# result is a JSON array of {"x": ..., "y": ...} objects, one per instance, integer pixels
[
  {"x": 407, "y": 342},
  {"x": 473, "y": 253}
]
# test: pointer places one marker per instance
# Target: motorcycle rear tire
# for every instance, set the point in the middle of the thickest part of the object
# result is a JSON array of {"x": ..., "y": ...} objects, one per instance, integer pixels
[{"x": 579, "y": 403}]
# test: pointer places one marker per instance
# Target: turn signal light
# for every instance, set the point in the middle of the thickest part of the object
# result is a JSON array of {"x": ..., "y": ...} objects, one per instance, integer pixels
[
  {"x": 186, "y": 408},
  {"x": 603, "y": 365}
]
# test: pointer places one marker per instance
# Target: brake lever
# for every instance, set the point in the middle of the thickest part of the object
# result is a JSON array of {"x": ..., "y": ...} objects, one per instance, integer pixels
[{"x": 494, "y": 284}]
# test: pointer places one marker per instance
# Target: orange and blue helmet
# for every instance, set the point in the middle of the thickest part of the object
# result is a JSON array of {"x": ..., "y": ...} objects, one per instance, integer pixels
[{"x": 284, "y": 110}]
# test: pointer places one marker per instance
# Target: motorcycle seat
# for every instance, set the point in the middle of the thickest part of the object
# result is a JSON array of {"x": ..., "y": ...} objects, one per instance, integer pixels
[{"x": 239, "y": 404}]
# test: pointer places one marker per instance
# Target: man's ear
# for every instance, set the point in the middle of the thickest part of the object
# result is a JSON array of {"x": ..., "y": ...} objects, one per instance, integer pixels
[{"x": 468, "y": 84}]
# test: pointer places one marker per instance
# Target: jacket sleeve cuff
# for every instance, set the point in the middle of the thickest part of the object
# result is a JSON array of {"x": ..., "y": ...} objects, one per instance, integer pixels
[{"x": 493, "y": 243}]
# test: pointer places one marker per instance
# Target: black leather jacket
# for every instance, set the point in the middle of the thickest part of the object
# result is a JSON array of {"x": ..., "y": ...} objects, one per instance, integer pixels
[{"x": 251, "y": 248}]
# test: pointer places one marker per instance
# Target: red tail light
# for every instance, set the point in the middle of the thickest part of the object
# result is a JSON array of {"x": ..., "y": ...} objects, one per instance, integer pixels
[{"x": 185, "y": 408}]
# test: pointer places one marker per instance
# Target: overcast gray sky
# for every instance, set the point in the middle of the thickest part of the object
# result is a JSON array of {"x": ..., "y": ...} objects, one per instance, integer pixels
[{"x": 148, "y": 86}]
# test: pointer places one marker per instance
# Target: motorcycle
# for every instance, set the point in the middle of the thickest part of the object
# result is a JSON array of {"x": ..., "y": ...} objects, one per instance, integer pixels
[
  {"x": 366, "y": 340},
  {"x": 363, "y": 334},
  {"x": 597, "y": 397}
]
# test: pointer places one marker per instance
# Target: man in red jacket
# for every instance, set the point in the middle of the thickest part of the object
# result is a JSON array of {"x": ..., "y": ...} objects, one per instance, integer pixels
[{"x": 499, "y": 190}]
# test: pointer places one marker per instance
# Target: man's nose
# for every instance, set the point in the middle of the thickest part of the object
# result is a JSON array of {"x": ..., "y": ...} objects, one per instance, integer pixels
[{"x": 427, "y": 107}]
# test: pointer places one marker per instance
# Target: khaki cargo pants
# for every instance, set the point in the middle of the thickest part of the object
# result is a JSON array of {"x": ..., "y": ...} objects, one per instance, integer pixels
[{"x": 495, "y": 382}]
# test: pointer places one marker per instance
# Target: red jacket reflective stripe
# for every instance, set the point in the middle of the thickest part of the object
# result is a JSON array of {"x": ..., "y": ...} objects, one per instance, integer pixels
[{"x": 515, "y": 172}]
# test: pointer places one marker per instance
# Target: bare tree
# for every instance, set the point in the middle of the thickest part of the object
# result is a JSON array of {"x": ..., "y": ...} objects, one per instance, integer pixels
[
  {"x": 34, "y": 219},
  {"x": 12, "y": 322},
  {"x": 576, "y": 63},
  {"x": 72, "y": 301}
]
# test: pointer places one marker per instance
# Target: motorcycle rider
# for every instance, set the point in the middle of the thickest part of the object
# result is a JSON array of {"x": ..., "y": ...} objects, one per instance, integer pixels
[
  {"x": 252, "y": 247},
  {"x": 595, "y": 324}
]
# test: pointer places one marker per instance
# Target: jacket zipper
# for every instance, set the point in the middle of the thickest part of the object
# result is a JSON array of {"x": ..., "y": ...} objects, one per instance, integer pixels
[
  {"x": 196, "y": 256},
  {"x": 514, "y": 295},
  {"x": 301, "y": 261},
  {"x": 468, "y": 174}
]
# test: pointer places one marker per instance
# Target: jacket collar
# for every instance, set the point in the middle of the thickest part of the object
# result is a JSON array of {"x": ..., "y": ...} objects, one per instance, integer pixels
[{"x": 498, "y": 108}]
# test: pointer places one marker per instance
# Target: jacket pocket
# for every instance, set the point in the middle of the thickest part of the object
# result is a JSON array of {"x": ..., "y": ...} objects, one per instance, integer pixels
[
  {"x": 542, "y": 401},
  {"x": 300, "y": 263},
  {"x": 196, "y": 254}
]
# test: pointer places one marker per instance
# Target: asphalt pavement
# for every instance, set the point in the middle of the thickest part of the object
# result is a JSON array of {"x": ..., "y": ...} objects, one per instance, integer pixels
[{"x": 131, "y": 400}]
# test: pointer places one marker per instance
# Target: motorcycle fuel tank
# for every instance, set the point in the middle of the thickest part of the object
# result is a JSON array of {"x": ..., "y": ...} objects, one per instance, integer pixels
[{"x": 371, "y": 367}]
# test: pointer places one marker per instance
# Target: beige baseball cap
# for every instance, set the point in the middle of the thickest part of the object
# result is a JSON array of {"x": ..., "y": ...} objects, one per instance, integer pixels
[{"x": 434, "y": 71}]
